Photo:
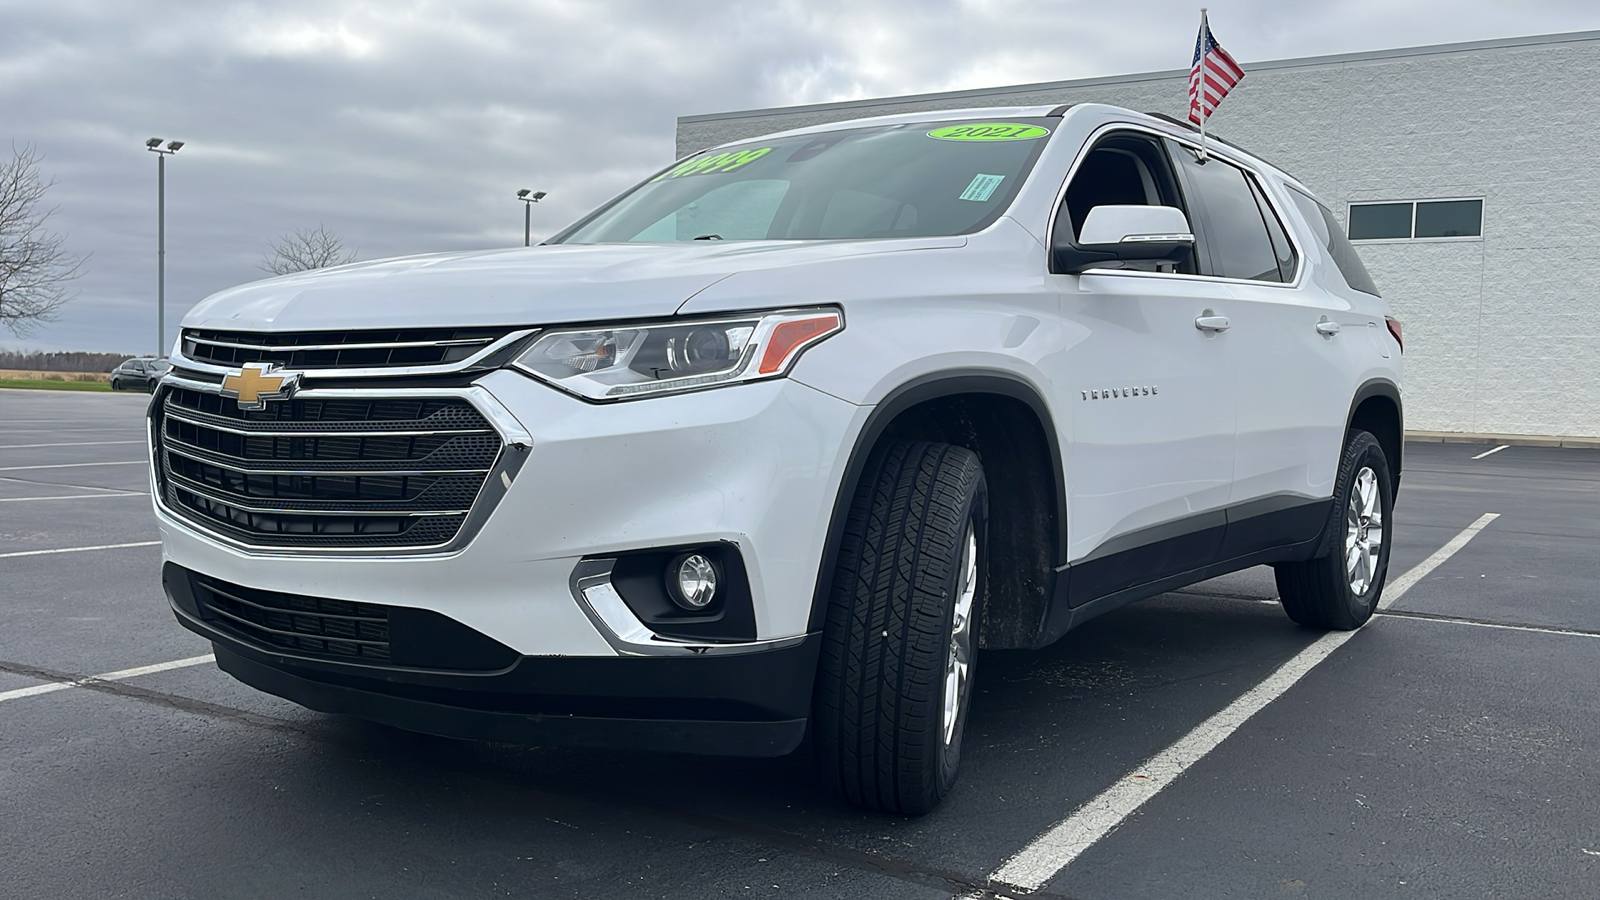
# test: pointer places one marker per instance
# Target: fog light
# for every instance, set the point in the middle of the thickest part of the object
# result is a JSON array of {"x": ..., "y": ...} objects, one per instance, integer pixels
[{"x": 692, "y": 581}]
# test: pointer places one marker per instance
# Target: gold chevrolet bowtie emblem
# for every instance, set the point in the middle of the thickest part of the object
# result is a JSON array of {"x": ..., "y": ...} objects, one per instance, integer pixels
[{"x": 257, "y": 383}]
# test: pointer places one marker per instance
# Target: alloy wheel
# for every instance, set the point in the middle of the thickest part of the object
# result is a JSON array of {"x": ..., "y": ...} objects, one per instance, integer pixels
[
  {"x": 958, "y": 666},
  {"x": 1363, "y": 538}
]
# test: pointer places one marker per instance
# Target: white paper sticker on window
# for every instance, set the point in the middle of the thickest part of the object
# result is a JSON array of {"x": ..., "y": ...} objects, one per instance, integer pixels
[{"x": 982, "y": 187}]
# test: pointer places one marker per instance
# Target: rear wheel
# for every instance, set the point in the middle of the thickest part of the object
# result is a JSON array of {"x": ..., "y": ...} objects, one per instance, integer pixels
[
  {"x": 1339, "y": 589},
  {"x": 895, "y": 678}
]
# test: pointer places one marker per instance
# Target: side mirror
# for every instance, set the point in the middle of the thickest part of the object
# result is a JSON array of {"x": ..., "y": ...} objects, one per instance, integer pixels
[{"x": 1115, "y": 234}]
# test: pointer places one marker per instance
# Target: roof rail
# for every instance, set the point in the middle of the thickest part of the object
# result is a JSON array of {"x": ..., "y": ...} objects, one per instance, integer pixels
[
  {"x": 1059, "y": 111},
  {"x": 1172, "y": 121},
  {"x": 1189, "y": 126}
]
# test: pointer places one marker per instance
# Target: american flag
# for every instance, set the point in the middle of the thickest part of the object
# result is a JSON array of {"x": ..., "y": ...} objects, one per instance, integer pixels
[{"x": 1213, "y": 75}]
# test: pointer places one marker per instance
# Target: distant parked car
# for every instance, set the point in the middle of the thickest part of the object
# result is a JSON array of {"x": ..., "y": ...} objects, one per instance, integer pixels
[{"x": 138, "y": 374}]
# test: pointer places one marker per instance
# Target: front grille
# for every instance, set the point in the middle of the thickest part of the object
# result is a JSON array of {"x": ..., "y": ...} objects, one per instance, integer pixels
[
  {"x": 324, "y": 473},
  {"x": 339, "y": 349},
  {"x": 308, "y": 626}
]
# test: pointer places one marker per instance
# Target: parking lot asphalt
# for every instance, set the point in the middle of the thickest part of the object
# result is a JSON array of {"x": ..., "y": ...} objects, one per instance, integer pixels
[{"x": 1448, "y": 749}]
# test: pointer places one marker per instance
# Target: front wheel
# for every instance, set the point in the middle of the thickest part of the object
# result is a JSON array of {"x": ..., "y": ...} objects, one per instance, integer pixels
[
  {"x": 1339, "y": 589},
  {"x": 116, "y": 385},
  {"x": 895, "y": 679}
]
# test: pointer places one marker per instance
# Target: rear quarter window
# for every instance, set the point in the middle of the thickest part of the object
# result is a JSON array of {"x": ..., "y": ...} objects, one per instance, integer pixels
[{"x": 1331, "y": 237}]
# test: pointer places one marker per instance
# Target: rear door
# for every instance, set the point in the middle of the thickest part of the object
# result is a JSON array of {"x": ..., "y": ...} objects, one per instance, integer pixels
[{"x": 1290, "y": 379}]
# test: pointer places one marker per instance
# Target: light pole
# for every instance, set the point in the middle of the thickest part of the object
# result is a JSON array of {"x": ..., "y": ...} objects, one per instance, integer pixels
[
  {"x": 528, "y": 198},
  {"x": 154, "y": 146}
]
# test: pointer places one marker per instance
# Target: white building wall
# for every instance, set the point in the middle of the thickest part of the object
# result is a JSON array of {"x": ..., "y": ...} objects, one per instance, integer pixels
[{"x": 1502, "y": 332}]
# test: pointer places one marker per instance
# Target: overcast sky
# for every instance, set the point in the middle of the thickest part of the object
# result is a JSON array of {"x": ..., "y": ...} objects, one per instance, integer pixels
[{"x": 406, "y": 127}]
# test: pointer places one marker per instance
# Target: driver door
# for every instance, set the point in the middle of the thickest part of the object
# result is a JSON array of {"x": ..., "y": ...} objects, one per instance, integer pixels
[{"x": 1149, "y": 396}]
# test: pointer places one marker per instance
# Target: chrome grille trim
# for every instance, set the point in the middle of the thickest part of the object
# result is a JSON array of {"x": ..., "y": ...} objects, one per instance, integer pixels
[
  {"x": 218, "y": 425},
  {"x": 188, "y": 451},
  {"x": 190, "y": 486},
  {"x": 183, "y": 360},
  {"x": 515, "y": 442},
  {"x": 464, "y": 342}
]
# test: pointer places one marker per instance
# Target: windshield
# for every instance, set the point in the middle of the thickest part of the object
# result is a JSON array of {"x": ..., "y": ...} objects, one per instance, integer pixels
[{"x": 886, "y": 181}]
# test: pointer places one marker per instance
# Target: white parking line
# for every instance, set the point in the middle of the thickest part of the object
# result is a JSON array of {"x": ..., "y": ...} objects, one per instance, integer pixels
[
  {"x": 1491, "y": 452},
  {"x": 78, "y": 496},
  {"x": 77, "y": 549},
  {"x": 1533, "y": 629},
  {"x": 64, "y": 484},
  {"x": 1054, "y": 850},
  {"x": 67, "y": 444},
  {"x": 51, "y": 688},
  {"x": 131, "y": 462}
]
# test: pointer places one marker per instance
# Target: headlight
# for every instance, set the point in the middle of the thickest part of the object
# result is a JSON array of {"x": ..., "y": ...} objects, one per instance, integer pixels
[{"x": 627, "y": 361}]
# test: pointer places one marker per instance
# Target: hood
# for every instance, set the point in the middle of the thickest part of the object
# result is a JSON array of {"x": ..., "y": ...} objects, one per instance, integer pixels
[{"x": 524, "y": 286}]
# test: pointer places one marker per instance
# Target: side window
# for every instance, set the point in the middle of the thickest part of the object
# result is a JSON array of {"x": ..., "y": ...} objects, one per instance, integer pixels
[
  {"x": 1332, "y": 238},
  {"x": 1235, "y": 233},
  {"x": 1123, "y": 170},
  {"x": 1282, "y": 247}
]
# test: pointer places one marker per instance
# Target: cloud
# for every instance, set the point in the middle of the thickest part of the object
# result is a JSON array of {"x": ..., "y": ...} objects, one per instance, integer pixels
[{"x": 406, "y": 126}]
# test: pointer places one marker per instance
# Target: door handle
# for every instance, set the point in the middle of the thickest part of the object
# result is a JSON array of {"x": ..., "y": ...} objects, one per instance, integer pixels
[
  {"x": 1210, "y": 322},
  {"x": 1327, "y": 328}
]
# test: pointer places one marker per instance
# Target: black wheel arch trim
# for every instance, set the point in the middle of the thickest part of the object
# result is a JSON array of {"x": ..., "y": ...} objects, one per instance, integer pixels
[
  {"x": 1382, "y": 387},
  {"x": 932, "y": 386}
]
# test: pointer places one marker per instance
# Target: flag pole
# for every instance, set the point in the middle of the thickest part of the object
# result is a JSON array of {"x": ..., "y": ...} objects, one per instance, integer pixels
[{"x": 1200, "y": 88}]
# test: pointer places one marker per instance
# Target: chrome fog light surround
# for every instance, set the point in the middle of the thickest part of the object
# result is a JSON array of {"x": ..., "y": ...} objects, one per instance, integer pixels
[{"x": 598, "y": 598}]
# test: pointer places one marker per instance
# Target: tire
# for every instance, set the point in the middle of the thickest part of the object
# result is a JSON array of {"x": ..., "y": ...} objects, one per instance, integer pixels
[
  {"x": 1339, "y": 589},
  {"x": 894, "y": 681},
  {"x": 116, "y": 385}
]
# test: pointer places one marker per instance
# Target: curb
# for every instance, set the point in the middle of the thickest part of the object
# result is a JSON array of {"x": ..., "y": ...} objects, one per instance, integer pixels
[{"x": 1512, "y": 440}]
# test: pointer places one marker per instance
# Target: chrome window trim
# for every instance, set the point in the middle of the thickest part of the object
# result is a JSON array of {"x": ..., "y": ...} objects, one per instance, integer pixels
[
  {"x": 598, "y": 598},
  {"x": 1228, "y": 155},
  {"x": 517, "y": 443},
  {"x": 179, "y": 359}
]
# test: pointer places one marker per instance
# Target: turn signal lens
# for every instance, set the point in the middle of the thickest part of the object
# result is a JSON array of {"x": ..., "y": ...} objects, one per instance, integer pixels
[
  {"x": 793, "y": 336},
  {"x": 1394, "y": 329}
]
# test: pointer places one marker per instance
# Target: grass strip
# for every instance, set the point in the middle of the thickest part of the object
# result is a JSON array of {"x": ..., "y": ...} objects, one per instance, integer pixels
[{"x": 42, "y": 384}]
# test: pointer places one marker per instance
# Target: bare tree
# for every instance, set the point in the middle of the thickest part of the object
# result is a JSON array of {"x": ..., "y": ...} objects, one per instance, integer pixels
[
  {"x": 306, "y": 249},
  {"x": 35, "y": 267}
]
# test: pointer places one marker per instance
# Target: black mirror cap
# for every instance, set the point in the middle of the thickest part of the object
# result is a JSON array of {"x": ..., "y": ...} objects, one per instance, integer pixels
[{"x": 1074, "y": 259}]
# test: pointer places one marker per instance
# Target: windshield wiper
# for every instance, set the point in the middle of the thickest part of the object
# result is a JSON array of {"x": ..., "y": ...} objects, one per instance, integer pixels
[{"x": 709, "y": 237}]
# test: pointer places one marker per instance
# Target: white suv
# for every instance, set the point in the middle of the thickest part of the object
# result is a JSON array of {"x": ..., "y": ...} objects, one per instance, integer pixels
[{"x": 766, "y": 447}]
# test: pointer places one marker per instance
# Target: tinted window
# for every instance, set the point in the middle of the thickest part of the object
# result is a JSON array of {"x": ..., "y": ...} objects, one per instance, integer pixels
[
  {"x": 1122, "y": 170},
  {"x": 1235, "y": 233},
  {"x": 879, "y": 181},
  {"x": 1380, "y": 221},
  {"x": 1332, "y": 239},
  {"x": 1449, "y": 218},
  {"x": 1282, "y": 247}
]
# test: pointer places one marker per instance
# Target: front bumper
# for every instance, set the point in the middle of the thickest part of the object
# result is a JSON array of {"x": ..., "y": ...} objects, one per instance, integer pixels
[
  {"x": 756, "y": 466},
  {"x": 751, "y": 704}
]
